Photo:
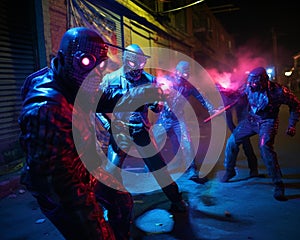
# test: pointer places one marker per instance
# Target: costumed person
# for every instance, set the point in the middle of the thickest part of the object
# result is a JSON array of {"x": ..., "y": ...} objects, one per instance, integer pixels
[
  {"x": 69, "y": 195},
  {"x": 238, "y": 105},
  {"x": 265, "y": 98},
  {"x": 124, "y": 106},
  {"x": 175, "y": 125}
]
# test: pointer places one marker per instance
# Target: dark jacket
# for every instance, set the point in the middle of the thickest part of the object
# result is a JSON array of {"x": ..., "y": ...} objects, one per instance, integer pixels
[
  {"x": 128, "y": 101},
  {"x": 278, "y": 95},
  {"x": 47, "y": 125}
]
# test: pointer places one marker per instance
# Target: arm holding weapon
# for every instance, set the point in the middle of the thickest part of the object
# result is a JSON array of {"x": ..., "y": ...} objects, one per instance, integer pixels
[{"x": 220, "y": 111}]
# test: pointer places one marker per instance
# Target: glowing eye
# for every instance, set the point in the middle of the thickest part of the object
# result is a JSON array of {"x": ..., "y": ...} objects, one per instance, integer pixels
[
  {"x": 131, "y": 64},
  {"x": 85, "y": 61},
  {"x": 142, "y": 65},
  {"x": 102, "y": 64},
  {"x": 185, "y": 74}
]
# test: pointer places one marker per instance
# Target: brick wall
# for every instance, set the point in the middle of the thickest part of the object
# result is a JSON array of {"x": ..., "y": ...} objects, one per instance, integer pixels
[
  {"x": 58, "y": 22},
  {"x": 55, "y": 25}
]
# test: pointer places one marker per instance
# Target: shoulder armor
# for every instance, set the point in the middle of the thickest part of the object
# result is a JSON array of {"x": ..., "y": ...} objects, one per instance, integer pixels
[
  {"x": 28, "y": 80},
  {"x": 112, "y": 78}
]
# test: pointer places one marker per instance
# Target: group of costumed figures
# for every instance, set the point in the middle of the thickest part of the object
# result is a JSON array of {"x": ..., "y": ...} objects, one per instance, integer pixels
[{"x": 68, "y": 177}]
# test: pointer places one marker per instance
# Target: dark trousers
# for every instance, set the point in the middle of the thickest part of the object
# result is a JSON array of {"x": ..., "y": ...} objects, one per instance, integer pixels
[
  {"x": 246, "y": 143},
  {"x": 119, "y": 147},
  {"x": 266, "y": 130}
]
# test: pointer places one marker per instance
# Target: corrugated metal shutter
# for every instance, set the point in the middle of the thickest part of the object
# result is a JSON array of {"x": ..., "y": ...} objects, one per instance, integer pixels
[
  {"x": 118, "y": 25},
  {"x": 17, "y": 60},
  {"x": 119, "y": 36}
]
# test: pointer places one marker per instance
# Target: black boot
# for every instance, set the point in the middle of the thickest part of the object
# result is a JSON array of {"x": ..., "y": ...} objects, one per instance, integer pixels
[
  {"x": 279, "y": 192},
  {"x": 228, "y": 175},
  {"x": 253, "y": 173},
  {"x": 179, "y": 206},
  {"x": 173, "y": 194}
]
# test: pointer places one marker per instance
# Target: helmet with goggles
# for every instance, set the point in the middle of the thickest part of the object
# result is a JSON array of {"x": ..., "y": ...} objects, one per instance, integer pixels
[
  {"x": 81, "y": 49},
  {"x": 134, "y": 61}
]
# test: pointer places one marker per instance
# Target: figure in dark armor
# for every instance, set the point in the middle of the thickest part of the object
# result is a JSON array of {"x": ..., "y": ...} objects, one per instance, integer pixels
[
  {"x": 265, "y": 98},
  {"x": 69, "y": 195},
  {"x": 176, "y": 125},
  {"x": 239, "y": 108},
  {"x": 124, "y": 104}
]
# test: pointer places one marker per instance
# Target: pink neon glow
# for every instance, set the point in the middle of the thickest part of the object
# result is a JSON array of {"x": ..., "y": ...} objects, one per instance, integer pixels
[
  {"x": 234, "y": 80},
  {"x": 132, "y": 64},
  {"x": 165, "y": 84},
  {"x": 102, "y": 64},
  {"x": 85, "y": 61}
]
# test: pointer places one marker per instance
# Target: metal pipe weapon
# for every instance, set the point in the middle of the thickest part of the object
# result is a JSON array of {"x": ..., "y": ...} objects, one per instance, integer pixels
[{"x": 220, "y": 111}]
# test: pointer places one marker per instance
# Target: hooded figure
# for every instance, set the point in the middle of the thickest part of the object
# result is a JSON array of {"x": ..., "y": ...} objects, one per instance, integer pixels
[{"x": 265, "y": 98}]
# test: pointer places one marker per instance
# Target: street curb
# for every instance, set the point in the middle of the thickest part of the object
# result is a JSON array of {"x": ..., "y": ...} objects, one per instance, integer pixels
[{"x": 9, "y": 185}]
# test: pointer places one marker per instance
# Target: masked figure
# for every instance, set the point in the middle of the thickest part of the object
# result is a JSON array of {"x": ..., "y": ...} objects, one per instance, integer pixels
[
  {"x": 175, "y": 125},
  {"x": 265, "y": 98},
  {"x": 239, "y": 101},
  {"x": 127, "y": 95},
  {"x": 67, "y": 193}
]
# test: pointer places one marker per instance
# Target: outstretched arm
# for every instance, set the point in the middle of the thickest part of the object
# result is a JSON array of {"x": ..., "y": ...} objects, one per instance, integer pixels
[{"x": 293, "y": 103}]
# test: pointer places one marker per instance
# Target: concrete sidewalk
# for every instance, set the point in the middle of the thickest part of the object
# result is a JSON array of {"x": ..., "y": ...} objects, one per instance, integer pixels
[
  {"x": 9, "y": 183},
  {"x": 239, "y": 210}
]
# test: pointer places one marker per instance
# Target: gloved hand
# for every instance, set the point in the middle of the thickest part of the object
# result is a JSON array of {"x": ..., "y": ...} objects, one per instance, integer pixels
[
  {"x": 157, "y": 94},
  {"x": 142, "y": 95},
  {"x": 153, "y": 92},
  {"x": 291, "y": 131},
  {"x": 156, "y": 107}
]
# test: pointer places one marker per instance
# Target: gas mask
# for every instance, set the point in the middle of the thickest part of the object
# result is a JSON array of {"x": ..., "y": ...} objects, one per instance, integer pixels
[
  {"x": 257, "y": 80},
  {"x": 134, "y": 62},
  {"x": 82, "y": 50},
  {"x": 257, "y": 84},
  {"x": 182, "y": 70}
]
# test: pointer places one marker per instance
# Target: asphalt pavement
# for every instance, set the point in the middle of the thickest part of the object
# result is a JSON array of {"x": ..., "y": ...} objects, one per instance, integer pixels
[{"x": 239, "y": 210}]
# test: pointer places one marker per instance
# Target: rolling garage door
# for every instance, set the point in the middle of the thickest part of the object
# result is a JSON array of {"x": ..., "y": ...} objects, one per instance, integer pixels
[{"x": 17, "y": 60}]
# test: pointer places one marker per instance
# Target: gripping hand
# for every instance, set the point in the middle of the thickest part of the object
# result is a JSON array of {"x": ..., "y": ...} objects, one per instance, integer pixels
[{"x": 291, "y": 131}]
